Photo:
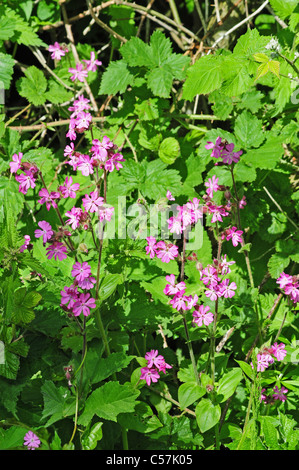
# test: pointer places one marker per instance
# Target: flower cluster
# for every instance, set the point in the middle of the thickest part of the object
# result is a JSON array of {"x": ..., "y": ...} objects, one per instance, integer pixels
[
  {"x": 155, "y": 364},
  {"x": 80, "y": 72},
  {"x": 232, "y": 234},
  {"x": 103, "y": 154},
  {"x": 74, "y": 301},
  {"x": 224, "y": 150},
  {"x": 212, "y": 277},
  {"x": 187, "y": 215},
  {"x": 289, "y": 285},
  {"x": 31, "y": 441},
  {"x": 27, "y": 178},
  {"x": 279, "y": 394},
  {"x": 164, "y": 251},
  {"x": 268, "y": 355}
]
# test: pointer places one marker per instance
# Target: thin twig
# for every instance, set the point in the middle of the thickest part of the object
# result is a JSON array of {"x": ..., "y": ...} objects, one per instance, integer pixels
[{"x": 281, "y": 210}]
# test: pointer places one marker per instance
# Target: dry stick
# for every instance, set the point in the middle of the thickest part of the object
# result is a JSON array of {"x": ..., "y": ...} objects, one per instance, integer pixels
[
  {"x": 71, "y": 39},
  {"x": 103, "y": 25},
  {"x": 46, "y": 125},
  {"x": 278, "y": 207},
  {"x": 143, "y": 17},
  {"x": 227, "y": 33},
  {"x": 37, "y": 53}
]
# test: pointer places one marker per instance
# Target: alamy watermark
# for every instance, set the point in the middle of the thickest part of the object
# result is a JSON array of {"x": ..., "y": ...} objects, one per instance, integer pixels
[
  {"x": 2, "y": 94},
  {"x": 2, "y": 353},
  {"x": 138, "y": 221}
]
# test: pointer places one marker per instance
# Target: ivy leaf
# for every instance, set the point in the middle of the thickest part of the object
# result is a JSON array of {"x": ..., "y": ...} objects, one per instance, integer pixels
[{"x": 33, "y": 86}]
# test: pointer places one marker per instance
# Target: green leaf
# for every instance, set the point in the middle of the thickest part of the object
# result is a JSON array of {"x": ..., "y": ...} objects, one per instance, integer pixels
[
  {"x": 108, "y": 285},
  {"x": 277, "y": 264},
  {"x": 99, "y": 368},
  {"x": 159, "y": 81},
  {"x": 270, "y": 432},
  {"x": 33, "y": 86},
  {"x": 6, "y": 69},
  {"x": 91, "y": 437},
  {"x": 283, "y": 8},
  {"x": 204, "y": 76},
  {"x": 228, "y": 383},
  {"x": 246, "y": 368},
  {"x": 248, "y": 130},
  {"x": 169, "y": 150},
  {"x": 58, "y": 403},
  {"x": 116, "y": 78},
  {"x": 188, "y": 393},
  {"x": 207, "y": 414},
  {"x": 12, "y": 437},
  {"x": 108, "y": 402},
  {"x": 266, "y": 156}
]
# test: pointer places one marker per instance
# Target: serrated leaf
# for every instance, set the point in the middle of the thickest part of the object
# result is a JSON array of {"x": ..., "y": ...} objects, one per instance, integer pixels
[
  {"x": 159, "y": 81},
  {"x": 33, "y": 86},
  {"x": 58, "y": 403},
  {"x": 266, "y": 156},
  {"x": 108, "y": 402},
  {"x": 248, "y": 130},
  {"x": 116, "y": 78},
  {"x": 283, "y": 8},
  {"x": 6, "y": 69},
  {"x": 277, "y": 264},
  {"x": 203, "y": 77}
]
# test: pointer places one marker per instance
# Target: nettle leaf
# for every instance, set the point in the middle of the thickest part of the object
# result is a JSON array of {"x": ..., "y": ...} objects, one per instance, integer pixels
[
  {"x": 6, "y": 69},
  {"x": 33, "y": 86},
  {"x": 116, "y": 78},
  {"x": 108, "y": 402},
  {"x": 248, "y": 130},
  {"x": 283, "y": 8},
  {"x": 205, "y": 76},
  {"x": 15, "y": 28}
]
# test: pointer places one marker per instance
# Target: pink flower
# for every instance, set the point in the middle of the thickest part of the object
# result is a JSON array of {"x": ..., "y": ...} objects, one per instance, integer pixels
[
  {"x": 58, "y": 250},
  {"x": 202, "y": 315},
  {"x": 218, "y": 212},
  {"x": 217, "y": 147},
  {"x": 224, "y": 265},
  {"x": 229, "y": 156},
  {"x": 26, "y": 181},
  {"x": 46, "y": 231},
  {"x": 166, "y": 252},
  {"x": 293, "y": 291},
  {"x": 212, "y": 186},
  {"x": 84, "y": 304},
  {"x": 92, "y": 202},
  {"x": 179, "y": 301},
  {"x": 57, "y": 51},
  {"x": 69, "y": 150},
  {"x": 69, "y": 296},
  {"x": 15, "y": 165},
  {"x": 83, "y": 120},
  {"x": 278, "y": 350},
  {"x": 263, "y": 361},
  {"x": 68, "y": 189},
  {"x": 153, "y": 358},
  {"x": 26, "y": 244},
  {"x": 242, "y": 202},
  {"x": 227, "y": 289},
  {"x": 149, "y": 375},
  {"x": 81, "y": 271},
  {"x": 114, "y": 162},
  {"x": 284, "y": 279},
  {"x": 151, "y": 248},
  {"x": 85, "y": 165},
  {"x": 81, "y": 104},
  {"x": 93, "y": 63},
  {"x": 105, "y": 213},
  {"x": 209, "y": 276},
  {"x": 213, "y": 292},
  {"x": 100, "y": 149},
  {"x": 173, "y": 288},
  {"x": 280, "y": 394},
  {"x": 87, "y": 283},
  {"x": 235, "y": 235},
  {"x": 74, "y": 217},
  {"x": 31, "y": 440},
  {"x": 48, "y": 198},
  {"x": 175, "y": 225},
  {"x": 170, "y": 196},
  {"x": 78, "y": 73}
]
